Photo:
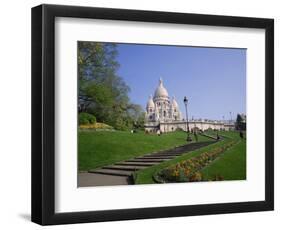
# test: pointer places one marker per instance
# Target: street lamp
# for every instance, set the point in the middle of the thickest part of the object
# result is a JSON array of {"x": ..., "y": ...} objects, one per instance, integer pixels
[{"x": 188, "y": 138}]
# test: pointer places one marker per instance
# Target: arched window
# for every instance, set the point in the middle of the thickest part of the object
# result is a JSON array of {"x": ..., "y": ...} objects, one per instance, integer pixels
[{"x": 164, "y": 113}]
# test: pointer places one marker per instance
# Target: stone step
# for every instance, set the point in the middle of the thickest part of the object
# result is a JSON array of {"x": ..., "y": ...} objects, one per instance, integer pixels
[
  {"x": 179, "y": 148},
  {"x": 146, "y": 160},
  {"x": 138, "y": 163},
  {"x": 155, "y": 157},
  {"x": 210, "y": 136},
  {"x": 111, "y": 172},
  {"x": 125, "y": 167},
  {"x": 167, "y": 155}
]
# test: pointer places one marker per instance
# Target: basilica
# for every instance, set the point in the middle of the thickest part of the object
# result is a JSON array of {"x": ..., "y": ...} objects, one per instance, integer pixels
[{"x": 163, "y": 114}]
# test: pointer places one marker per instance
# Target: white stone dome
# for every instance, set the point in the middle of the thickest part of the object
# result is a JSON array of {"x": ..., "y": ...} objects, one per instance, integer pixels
[
  {"x": 160, "y": 90},
  {"x": 174, "y": 102},
  {"x": 150, "y": 103}
]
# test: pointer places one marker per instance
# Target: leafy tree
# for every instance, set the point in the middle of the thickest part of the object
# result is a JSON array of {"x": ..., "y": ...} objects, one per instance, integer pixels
[
  {"x": 101, "y": 91},
  {"x": 98, "y": 83},
  {"x": 137, "y": 115},
  {"x": 240, "y": 123}
]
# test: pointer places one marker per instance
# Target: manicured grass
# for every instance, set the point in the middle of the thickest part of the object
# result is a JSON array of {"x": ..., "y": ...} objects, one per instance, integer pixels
[
  {"x": 231, "y": 165},
  {"x": 100, "y": 148}
]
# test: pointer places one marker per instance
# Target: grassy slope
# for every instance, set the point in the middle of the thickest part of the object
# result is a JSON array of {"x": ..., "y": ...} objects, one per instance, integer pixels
[
  {"x": 97, "y": 149},
  {"x": 232, "y": 165}
]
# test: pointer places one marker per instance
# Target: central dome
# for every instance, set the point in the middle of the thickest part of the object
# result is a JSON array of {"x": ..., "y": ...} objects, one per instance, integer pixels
[{"x": 161, "y": 91}]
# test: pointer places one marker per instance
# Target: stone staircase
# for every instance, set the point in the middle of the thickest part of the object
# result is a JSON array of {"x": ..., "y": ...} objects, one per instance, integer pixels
[{"x": 128, "y": 167}]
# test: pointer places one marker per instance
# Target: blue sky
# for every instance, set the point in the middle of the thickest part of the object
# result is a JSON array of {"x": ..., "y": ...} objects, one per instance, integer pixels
[{"x": 213, "y": 79}]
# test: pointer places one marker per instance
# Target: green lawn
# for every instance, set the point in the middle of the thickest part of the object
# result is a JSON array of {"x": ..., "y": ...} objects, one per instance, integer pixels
[
  {"x": 100, "y": 148},
  {"x": 231, "y": 165}
]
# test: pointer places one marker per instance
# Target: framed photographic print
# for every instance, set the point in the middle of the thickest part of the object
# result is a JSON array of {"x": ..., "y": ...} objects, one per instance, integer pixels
[{"x": 141, "y": 114}]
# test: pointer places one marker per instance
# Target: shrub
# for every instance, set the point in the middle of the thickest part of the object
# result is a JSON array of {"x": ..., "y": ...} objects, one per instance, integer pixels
[
  {"x": 86, "y": 118},
  {"x": 83, "y": 120}
]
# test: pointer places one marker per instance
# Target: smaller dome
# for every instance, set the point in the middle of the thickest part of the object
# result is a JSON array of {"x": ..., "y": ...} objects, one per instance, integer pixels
[
  {"x": 150, "y": 103},
  {"x": 174, "y": 102}
]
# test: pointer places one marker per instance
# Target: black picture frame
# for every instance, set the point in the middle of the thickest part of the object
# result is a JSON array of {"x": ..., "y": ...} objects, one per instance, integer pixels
[{"x": 43, "y": 114}]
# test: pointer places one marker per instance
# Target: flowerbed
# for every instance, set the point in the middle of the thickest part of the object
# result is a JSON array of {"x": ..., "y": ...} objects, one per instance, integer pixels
[
  {"x": 189, "y": 170},
  {"x": 96, "y": 126}
]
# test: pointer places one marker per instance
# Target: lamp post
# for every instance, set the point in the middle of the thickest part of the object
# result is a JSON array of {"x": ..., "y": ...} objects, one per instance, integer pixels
[{"x": 188, "y": 138}]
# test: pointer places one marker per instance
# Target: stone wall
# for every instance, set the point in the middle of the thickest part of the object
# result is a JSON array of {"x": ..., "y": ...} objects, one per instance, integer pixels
[{"x": 173, "y": 126}]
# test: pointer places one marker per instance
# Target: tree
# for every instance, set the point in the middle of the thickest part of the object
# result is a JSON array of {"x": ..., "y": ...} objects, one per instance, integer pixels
[
  {"x": 98, "y": 83},
  {"x": 137, "y": 115},
  {"x": 101, "y": 91},
  {"x": 240, "y": 122}
]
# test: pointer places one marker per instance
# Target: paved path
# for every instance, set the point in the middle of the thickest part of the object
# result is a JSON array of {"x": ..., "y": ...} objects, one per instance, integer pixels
[
  {"x": 94, "y": 179},
  {"x": 120, "y": 173}
]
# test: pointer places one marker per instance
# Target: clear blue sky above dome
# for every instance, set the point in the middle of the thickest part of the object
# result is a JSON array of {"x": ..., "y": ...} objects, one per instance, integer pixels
[{"x": 213, "y": 79}]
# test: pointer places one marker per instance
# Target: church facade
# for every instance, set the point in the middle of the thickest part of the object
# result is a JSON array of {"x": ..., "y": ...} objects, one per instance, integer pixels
[{"x": 163, "y": 114}]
